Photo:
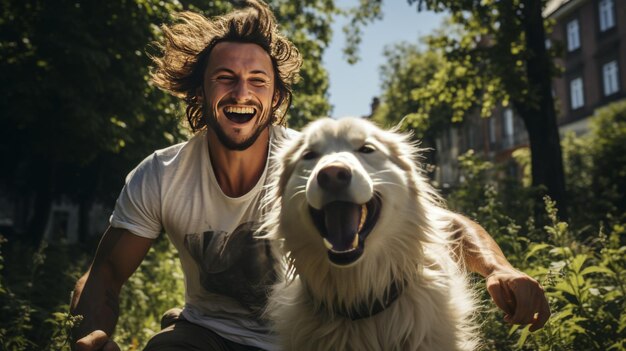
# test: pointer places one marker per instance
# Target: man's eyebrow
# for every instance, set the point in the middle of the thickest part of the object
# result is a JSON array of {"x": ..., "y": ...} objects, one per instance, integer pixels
[
  {"x": 222, "y": 69},
  {"x": 228, "y": 70},
  {"x": 260, "y": 71}
]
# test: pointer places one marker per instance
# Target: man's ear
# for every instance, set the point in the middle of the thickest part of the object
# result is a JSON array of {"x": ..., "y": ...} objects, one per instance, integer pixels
[
  {"x": 200, "y": 94},
  {"x": 276, "y": 98}
]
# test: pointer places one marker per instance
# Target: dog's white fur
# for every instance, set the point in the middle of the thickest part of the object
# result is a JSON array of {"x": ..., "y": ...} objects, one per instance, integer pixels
[{"x": 411, "y": 244}]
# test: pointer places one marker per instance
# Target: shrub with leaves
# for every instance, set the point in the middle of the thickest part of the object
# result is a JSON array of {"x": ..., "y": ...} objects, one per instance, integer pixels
[
  {"x": 34, "y": 295},
  {"x": 153, "y": 289},
  {"x": 585, "y": 285}
]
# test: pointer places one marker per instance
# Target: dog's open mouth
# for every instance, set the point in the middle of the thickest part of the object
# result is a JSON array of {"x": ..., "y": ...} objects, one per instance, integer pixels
[
  {"x": 239, "y": 114},
  {"x": 344, "y": 226}
]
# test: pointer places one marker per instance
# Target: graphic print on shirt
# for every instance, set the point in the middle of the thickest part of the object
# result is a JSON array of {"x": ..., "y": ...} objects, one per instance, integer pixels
[{"x": 238, "y": 265}]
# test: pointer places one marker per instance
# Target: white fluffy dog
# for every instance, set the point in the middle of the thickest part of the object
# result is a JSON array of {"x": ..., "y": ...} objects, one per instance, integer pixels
[{"x": 370, "y": 254}]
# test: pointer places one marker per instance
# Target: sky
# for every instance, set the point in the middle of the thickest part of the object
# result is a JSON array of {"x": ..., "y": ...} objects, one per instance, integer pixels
[{"x": 352, "y": 87}]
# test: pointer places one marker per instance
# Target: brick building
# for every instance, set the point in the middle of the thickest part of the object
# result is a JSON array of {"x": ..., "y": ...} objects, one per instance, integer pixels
[{"x": 593, "y": 33}]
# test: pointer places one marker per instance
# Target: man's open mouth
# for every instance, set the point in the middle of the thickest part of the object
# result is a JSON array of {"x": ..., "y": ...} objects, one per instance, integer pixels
[
  {"x": 240, "y": 114},
  {"x": 344, "y": 226}
]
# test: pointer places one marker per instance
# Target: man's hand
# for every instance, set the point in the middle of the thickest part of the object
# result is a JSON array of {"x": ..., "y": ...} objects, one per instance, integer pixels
[
  {"x": 96, "y": 341},
  {"x": 520, "y": 297}
]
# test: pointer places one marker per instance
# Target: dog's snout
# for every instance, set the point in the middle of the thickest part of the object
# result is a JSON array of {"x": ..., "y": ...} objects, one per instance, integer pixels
[{"x": 334, "y": 177}]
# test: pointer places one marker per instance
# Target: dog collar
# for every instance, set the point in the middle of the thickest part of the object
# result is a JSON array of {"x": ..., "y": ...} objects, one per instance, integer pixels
[{"x": 364, "y": 309}]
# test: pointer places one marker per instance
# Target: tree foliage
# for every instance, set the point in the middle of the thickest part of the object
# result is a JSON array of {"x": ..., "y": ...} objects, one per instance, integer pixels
[
  {"x": 78, "y": 108},
  {"x": 406, "y": 70},
  {"x": 366, "y": 12},
  {"x": 308, "y": 25}
]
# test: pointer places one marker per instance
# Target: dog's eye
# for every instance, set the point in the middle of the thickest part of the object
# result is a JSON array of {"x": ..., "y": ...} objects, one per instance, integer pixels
[
  {"x": 310, "y": 155},
  {"x": 367, "y": 149}
]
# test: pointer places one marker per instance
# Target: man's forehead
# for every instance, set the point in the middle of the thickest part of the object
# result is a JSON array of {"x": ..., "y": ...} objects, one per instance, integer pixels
[{"x": 234, "y": 56}]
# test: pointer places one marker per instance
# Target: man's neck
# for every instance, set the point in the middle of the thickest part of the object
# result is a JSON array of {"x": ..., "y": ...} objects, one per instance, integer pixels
[{"x": 237, "y": 172}]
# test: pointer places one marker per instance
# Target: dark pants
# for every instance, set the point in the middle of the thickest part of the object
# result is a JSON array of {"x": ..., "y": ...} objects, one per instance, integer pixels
[{"x": 177, "y": 334}]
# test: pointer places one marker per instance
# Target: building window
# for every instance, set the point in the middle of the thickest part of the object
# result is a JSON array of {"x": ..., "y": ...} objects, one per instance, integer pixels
[
  {"x": 607, "y": 15},
  {"x": 573, "y": 35},
  {"x": 508, "y": 122},
  {"x": 507, "y": 127},
  {"x": 576, "y": 93},
  {"x": 610, "y": 74}
]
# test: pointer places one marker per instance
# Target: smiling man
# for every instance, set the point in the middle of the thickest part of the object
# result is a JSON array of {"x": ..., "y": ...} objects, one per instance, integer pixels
[
  {"x": 235, "y": 74},
  {"x": 239, "y": 86}
]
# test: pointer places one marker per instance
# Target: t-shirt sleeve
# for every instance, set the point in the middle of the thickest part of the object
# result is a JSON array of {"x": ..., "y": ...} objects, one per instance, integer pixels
[{"x": 138, "y": 208}]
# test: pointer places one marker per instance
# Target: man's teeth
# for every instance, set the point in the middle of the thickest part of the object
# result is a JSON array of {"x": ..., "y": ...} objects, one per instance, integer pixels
[
  {"x": 355, "y": 242},
  {"x": 237, "y": 109}
]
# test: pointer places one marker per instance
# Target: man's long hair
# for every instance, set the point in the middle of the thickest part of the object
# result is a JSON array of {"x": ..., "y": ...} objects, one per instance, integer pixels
[{"x": 187, "y": 44}]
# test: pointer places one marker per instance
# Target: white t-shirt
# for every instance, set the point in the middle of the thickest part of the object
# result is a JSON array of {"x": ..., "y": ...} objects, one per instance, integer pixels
[{"x": 227, "y": 271}]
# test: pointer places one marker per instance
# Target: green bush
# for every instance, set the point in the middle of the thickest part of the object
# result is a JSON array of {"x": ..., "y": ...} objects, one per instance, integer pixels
[
  {"x": 154, "y": 288},
  {"x": 35, "y": 295},
  {"x": 595, "y": 166},
  {"x": 585, "y": 285}
]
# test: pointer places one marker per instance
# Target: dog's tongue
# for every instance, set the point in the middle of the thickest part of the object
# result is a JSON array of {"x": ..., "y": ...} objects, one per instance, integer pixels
[{"x": 342, "y": 223}]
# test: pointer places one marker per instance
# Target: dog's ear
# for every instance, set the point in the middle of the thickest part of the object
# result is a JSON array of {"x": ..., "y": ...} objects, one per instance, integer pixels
[
  {"x": 404, "y": 152},
  {"x": 402, "y": 149}
]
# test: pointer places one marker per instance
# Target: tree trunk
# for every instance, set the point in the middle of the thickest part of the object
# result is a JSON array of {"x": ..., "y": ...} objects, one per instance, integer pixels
[
  {"x": 546, "y": 158},
  {"x": 540, "y": 116}
]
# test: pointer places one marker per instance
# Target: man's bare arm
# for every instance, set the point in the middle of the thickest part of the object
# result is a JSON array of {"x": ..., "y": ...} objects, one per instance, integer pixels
[
  {"x": 520, "y": 296},
  {"x": 96, "y": 293},
  {"x": 480, "y": 253}
]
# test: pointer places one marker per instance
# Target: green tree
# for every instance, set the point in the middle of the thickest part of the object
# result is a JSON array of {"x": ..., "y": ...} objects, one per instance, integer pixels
[
  {"x": 77, "y": 108},
  {"x": 308, "y": 24},
  {"x": 408, "y": 68},
  {"x": 495, "y": 53}
]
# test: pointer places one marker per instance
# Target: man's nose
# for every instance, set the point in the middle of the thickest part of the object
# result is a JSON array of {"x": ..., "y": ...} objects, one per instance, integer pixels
[{"x": 241, "y": 91}]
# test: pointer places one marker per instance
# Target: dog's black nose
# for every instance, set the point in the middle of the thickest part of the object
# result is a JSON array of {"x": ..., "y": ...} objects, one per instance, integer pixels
[{"x": 334, "y": 177}]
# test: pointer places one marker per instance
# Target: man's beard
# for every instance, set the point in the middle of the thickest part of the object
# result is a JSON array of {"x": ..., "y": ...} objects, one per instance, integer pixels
[{"x": 227, "y": 142}]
